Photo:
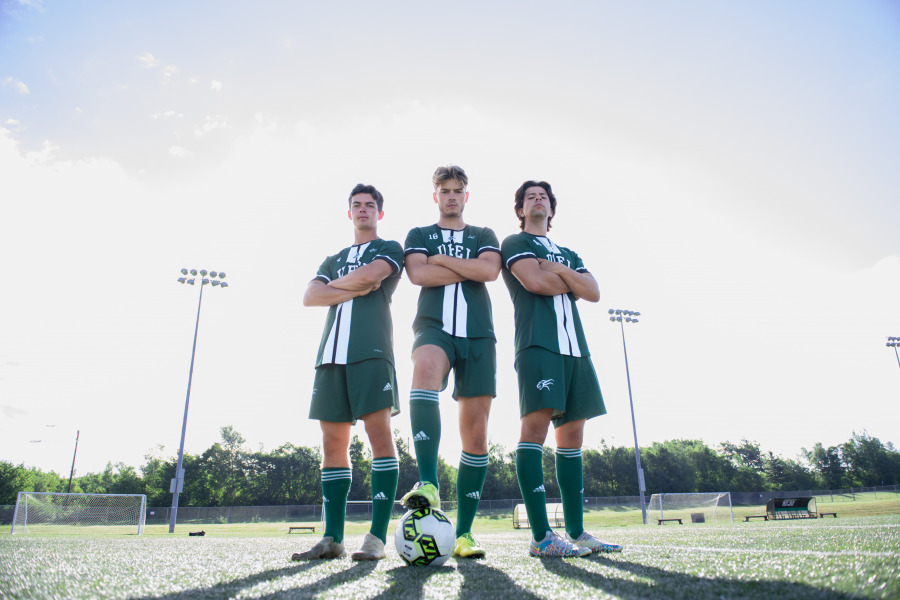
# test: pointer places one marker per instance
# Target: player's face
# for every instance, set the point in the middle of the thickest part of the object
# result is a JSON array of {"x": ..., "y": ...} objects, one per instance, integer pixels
[
  {"x": 451, "y": 197},
  {"x": 536, "y": 203},
  {"x": 364, "y": 212}
]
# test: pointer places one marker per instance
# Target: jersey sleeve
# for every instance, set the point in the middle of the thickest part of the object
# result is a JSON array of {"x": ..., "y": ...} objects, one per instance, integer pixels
[
  {"x": 488, "y": 241},
  {"x": 577, "y": 263},
  {"x": 324, "y": 272},
  {"x": 392, "y": 253},
  {"x": 514, "y": 249},
  {"x": 415, "y": 241}
]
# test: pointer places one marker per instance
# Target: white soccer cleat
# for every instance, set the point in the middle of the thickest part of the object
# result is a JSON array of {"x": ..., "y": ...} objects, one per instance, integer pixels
[
  {"x": 324, "y": 548},
  {"x": 372, "y": 549}
]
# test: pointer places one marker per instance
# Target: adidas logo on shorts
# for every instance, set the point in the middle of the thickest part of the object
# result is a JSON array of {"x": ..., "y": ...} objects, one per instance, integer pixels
[
  {"x": 476, "y": 495},
  {"x": 387, "y": 387},
  {"x": 379, "y": 496},
  {"x": 421, "y": 437},
  {"x": 539, "y": 489}
]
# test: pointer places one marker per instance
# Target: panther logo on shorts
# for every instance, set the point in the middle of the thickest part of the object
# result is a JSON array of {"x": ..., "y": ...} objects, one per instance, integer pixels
[{"x": 544, "y": 384}]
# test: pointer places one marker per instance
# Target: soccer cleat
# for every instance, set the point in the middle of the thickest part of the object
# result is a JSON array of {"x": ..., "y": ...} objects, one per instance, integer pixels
[
  {"x": 372, "y": 549},
  {"x": 586, "y": 540},
  {"x": 324, "y": 548},
  {"x": 422, "y": 495},
  {"x": 553, "y": 545},
  {"x": 467, "y": 547}
]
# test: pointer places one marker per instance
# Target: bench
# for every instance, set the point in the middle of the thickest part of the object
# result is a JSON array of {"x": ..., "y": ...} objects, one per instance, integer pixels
[
  {"x": 661, "y": 521},
  {"x": 310, "y": 528},
  {"x": 822, "y": 515},
  {"x": 763, "y": 517}
]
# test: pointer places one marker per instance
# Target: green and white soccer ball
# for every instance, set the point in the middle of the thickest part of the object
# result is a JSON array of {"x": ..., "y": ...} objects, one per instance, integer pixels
[{"x": 425, "y": 536}]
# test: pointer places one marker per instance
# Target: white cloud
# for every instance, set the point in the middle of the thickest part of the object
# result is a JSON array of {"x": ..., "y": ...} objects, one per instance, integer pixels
[
  {"x": 180, "y": 152},
  {"x": 212, "y": 124},
  {"x": 166, "y": 114},
  {"x": 215, "y": 86},
  {"x": 148, "y": 60},
  {"x": 169, "y": 72},
  {"x": 17, "y": 85}
]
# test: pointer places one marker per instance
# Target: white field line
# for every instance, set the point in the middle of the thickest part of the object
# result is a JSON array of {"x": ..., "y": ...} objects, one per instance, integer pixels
[{"x": 817, "y": 553}]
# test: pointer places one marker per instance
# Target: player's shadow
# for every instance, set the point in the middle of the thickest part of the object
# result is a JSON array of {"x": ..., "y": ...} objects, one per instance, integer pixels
[
  {"x": 675, "y": 585},
  {"x": 230, "y": 589},
  {"x": 407, "y": 582},
  {"x": 483, "y": 581}
]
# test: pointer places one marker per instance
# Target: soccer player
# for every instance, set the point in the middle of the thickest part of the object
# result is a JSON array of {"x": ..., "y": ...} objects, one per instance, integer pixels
[
  {"x": 453, "y": 329},
  {"x": 355, "y": 377},
  {"x": 557, "y": 382}
]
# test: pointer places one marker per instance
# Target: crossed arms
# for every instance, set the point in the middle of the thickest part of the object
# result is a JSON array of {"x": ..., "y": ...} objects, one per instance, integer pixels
[
  {"x": 357, "y": 283},
  {"x": 550, "y": 278},
  {"x": 440, "y": 269}
]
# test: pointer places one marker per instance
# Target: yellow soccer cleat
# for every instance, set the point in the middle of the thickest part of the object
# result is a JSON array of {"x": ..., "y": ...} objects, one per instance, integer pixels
[
  {"x": 422, "y": 495},
  {"x": 467, "y": 547}
]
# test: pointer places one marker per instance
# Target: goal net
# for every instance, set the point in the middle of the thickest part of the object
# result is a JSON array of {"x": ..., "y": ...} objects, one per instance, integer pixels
[
  {"x": 110, "y": 513},
  {"x": 695, "y": 508}
]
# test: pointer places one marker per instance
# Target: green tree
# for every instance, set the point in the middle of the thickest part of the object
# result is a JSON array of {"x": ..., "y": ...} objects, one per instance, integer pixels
[
  {"x": 827, "y": 465},
  {"x": 409, "y": 470},
  {"x": 745, "y": 454},
  {"x": 500, "y": 482},
  {"x": 14, "y": 479},
  {"x": 361, "y": 470},
  {"x": 869, "y": 462}
]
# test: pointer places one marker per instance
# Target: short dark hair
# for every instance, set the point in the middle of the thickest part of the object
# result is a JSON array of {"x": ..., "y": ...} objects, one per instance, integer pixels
[
  {"x": 442, "y": 174},
  {"x": 362, "y": 188},
  {"x": 520, "y": 200}
]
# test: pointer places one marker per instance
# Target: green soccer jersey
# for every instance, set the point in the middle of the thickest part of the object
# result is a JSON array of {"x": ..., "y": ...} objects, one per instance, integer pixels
[
  {"x": 551, "y": 322},
  {"x": 361, "y": 328},
  {"x": 461, "y": 309}
]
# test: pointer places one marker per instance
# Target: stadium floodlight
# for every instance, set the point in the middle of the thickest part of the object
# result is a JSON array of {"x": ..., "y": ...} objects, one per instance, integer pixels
[
  {"x": 621, "y": 317},
  {"x": 894, "y": 342},
  {"x": 177, "y": 484}
]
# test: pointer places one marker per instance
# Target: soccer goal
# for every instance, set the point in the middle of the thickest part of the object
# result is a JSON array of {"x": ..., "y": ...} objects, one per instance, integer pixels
[
  {"x": 111, "y": 513},
  {"x": 697, "y": 508}
]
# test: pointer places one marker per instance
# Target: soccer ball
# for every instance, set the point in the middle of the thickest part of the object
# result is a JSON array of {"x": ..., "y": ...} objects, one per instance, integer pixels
[{"x": 425, "y": 536}]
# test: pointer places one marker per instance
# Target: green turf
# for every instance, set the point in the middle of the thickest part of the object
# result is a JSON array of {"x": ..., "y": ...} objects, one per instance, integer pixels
[{"x": 844, "y": 558}]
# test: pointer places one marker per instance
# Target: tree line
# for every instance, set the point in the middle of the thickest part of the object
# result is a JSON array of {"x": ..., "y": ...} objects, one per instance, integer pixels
[{"x": 228, "y": 474}]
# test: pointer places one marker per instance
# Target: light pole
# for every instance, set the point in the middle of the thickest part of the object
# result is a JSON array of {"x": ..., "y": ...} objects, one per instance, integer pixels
[
  {"x": 894, "y": 342},
  {"x": 622, "y": 317},
  {"x": 177, "y": 484}
]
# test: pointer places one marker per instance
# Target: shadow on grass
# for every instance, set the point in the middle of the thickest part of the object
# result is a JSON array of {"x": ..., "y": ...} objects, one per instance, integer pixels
[
  {"x": 659, "y": 583},
  {"x": 230, "y": 589}
]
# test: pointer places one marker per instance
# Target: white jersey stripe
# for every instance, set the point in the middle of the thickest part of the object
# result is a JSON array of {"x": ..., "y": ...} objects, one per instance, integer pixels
[
  {"x": 339, "y": 337},
  {"x": 565, "y": 326}
]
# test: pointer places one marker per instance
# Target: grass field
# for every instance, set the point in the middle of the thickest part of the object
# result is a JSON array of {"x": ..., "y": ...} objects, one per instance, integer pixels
[{"x": 847, "y": 557}]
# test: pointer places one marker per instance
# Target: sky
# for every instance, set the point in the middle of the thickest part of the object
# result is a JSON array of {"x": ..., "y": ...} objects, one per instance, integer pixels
[{"x": 727, "y": 169}]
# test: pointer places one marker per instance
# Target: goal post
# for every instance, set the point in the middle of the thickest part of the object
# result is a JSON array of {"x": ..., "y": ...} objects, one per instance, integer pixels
[
  {"x": 44, "y": 511},
  {"x": 698, "y": 507}
]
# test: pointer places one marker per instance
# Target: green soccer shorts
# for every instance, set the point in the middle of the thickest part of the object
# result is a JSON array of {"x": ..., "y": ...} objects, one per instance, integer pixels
[
  {"x": 567, "y": 384},
  {"x": 473, "y": 360},
  {"x": 343, "y": 393}
]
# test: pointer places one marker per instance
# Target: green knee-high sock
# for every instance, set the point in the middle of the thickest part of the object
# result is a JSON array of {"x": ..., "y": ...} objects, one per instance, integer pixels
[
  {"x": 335, "y": 488},
  {"x": 530, "y": 473},
  {"x": 385, "y": 472},
  {"x": 570, "y": 476},
  {"x": 469, "y": 482},
  {"x": 425, "y": 417}
]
